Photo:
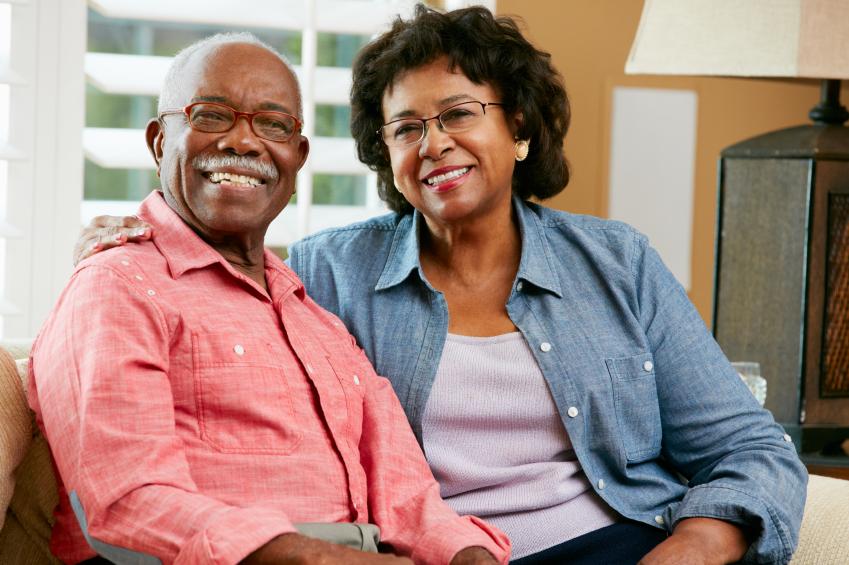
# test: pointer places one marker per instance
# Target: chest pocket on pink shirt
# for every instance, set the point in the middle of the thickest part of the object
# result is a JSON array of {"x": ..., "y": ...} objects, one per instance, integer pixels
[
  {"x": 352, "y": 381},
  {"x": 243, "y": 398}
]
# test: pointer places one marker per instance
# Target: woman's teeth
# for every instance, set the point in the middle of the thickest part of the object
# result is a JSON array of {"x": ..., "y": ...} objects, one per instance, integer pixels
[
  {"x": 234, "y": 179},
  {"x": 439, "y": 179}
]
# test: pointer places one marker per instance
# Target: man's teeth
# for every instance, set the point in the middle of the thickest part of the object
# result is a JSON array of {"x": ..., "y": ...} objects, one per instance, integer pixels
[
  {"x": 234, "y": 179},
  {"x": 439, "y": 179}
]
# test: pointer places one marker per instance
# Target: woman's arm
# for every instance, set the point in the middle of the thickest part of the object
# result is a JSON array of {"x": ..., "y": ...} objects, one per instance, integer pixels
[
  {"x": 740, "y": 466},
  {"x": 700, "y": 541}
]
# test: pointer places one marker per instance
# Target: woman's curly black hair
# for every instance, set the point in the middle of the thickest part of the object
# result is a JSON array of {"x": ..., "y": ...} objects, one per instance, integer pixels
[{"x": 488, "y": 50}]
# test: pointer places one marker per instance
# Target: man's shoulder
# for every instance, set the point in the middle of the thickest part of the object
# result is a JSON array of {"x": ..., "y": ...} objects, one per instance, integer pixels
[{"x": 135, "y": 263}]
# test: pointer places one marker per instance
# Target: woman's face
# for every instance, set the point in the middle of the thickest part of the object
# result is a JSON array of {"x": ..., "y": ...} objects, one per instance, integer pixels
[{"x": 451, "y": 177}]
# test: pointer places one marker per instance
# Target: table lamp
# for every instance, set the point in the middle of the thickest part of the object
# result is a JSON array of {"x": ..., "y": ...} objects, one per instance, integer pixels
[{"x": 781, "y": 286}]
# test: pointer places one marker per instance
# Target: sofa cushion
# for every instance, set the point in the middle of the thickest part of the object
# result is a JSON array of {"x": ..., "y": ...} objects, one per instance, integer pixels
[
  {"x": 824, "y": 537},
  {"x": 16, "y": 428},
  {"x": 26, "y": 474}
]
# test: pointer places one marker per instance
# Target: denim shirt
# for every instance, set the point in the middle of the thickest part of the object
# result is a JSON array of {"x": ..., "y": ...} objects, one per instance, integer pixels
[{"x": 662, "y": 425}]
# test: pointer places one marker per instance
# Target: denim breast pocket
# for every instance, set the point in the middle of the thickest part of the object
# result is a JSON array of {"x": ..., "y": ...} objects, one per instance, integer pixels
[
  {"x": 244, "y": 402},
  {"x": 637, "y": 408}
]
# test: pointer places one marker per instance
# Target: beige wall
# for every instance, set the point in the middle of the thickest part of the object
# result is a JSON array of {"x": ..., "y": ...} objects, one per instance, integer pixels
[{"x": 589, "y": 41}]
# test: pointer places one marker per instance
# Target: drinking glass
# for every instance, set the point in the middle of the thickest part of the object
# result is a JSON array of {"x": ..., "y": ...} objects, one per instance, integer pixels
[{"x": 750, "y": 372}]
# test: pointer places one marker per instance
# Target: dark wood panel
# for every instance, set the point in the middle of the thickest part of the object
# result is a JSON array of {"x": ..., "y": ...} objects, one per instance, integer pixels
[
  {"x": 835, "y": 378},
  {"x": 836, "y": 472},
  {"x": 822, "y": 407}
]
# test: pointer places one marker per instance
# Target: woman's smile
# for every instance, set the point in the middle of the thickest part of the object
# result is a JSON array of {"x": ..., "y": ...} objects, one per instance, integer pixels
[{"x": 444, "y": 179}]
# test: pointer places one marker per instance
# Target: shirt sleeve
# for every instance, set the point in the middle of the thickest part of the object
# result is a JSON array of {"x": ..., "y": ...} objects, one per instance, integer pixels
[
  {"x": 738, "y": 461},
  {"x": 404, "y": 499},
  {"x": 103, "y": 395}
]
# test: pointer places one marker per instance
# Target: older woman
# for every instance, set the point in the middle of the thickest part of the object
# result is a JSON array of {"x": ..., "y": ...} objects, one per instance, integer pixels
[{"x": 556, "y": 375}]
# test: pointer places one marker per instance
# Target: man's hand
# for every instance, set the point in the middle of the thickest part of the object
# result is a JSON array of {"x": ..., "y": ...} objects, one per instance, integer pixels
[
  {"x": 474, "y": 556},
  {"x": 295, "y": 549},
  {"x": 109, "y": 231},
  {"x": 700, "y": 541}
]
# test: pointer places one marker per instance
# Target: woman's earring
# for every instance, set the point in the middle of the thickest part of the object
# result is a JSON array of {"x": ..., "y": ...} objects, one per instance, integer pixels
[{"x": 521, "y": 148}]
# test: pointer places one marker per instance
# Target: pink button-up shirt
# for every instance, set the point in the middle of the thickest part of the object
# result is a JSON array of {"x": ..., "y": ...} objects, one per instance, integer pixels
[{"x": 196, "y": 416}]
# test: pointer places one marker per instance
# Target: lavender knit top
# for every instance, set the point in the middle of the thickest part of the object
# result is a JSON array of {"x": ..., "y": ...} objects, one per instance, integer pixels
[{"x": 495, "y": 442}]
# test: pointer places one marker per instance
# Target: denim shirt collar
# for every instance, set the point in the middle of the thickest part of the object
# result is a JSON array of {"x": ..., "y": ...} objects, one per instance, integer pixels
[{"x": 535, "y": 265}]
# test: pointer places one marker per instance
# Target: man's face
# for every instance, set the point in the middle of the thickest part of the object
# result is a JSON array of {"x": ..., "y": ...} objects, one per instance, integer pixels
[{"x": 203, "y": 174}]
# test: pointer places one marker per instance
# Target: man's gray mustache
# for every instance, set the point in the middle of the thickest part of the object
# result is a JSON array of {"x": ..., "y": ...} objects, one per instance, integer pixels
[{"x": 261, "y": 169}]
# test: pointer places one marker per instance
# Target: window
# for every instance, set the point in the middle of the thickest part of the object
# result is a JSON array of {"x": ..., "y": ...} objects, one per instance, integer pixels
[
  {"x": 320, "y": 37},
  {"x": 78, "y": 81},
  {"x": 41, "y": 101},
  {"x": 7, "y": 152}
]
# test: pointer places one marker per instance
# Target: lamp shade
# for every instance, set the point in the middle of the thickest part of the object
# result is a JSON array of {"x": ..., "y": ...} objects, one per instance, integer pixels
[{"x": 750, "y": 38}]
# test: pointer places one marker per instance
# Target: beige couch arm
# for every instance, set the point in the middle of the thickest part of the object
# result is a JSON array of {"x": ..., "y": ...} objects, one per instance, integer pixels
[
  {"x": 15, "y": 431},
  {"x": 25, "y": 533},
  {"x": 824, "y": 538}
]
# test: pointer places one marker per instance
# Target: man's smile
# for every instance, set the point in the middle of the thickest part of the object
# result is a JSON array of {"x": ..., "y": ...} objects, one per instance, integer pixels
[{"x": 233, "y": 178}]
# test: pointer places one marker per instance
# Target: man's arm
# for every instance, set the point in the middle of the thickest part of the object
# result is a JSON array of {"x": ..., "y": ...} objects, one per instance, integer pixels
[
  {"x": 103, "y": 393},
  {"x": 102, "y": 387},
  {"x": 295, "y": 549}
]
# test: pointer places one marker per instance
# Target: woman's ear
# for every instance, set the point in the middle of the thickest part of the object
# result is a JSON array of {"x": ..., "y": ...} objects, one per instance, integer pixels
[
  {"x": 517, "y": 122},
  {"x": 155, "y": 137}
]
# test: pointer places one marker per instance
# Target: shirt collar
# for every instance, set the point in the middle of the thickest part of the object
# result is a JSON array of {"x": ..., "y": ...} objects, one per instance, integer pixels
[
  {"x": 404, "y": 253},
  {"x": 184, "y": 250},
  {"x": 535, "y": 265}
]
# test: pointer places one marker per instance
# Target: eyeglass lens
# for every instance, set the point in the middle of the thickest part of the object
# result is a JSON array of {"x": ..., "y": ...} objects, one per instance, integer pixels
[
  {"x": 453, "y": 120},
  {"x": 216, "y": 118}
]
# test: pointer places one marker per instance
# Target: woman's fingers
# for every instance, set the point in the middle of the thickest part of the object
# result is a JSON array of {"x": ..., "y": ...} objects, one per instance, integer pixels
[{"x": 106, "y": 232}]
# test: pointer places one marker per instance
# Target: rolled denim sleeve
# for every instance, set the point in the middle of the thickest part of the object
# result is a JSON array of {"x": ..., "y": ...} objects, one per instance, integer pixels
[{"x": 735, "y": 457}]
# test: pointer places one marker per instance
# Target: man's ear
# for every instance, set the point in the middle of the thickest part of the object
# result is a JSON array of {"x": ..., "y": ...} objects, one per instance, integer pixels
[
  {"x": 303, "y": 150},
  {"x": 155, "y": 137}
]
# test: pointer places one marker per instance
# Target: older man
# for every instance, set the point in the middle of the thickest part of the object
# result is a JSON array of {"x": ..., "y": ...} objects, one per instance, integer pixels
[{"x": 197, "y": 402}]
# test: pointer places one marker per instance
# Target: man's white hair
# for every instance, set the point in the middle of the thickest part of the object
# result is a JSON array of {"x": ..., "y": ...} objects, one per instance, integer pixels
[{"x": 172, "y": 88}]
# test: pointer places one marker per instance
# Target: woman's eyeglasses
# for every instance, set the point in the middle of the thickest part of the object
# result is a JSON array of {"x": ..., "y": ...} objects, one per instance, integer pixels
[{"x": 457, "y": 118}]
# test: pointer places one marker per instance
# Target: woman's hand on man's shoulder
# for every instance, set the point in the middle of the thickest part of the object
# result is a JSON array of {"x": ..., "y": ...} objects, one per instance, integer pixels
[{"x": 105, "y": 232}]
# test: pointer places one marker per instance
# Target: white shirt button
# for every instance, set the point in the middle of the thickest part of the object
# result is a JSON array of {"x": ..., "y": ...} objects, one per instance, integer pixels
[
  {"x": 648, "y": 366},
  {"x": 239, "y": 349},
  {"x": 545, "y": 346},
  {"x": 356, "y": 380},
  {"x": 151, "y": 292},
  {"x": 787, "y": 437},
  {"x": 659, "y": 520},
  {"x": 601, "y": 484},
  {"x": 572, "y": 411},
  {"x": 125, "y": 263},
  {"x": 519, "y": 286}
]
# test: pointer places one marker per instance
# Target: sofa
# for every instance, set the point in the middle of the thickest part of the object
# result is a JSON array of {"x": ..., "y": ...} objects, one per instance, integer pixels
[{"x": 28, "y": 485}]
